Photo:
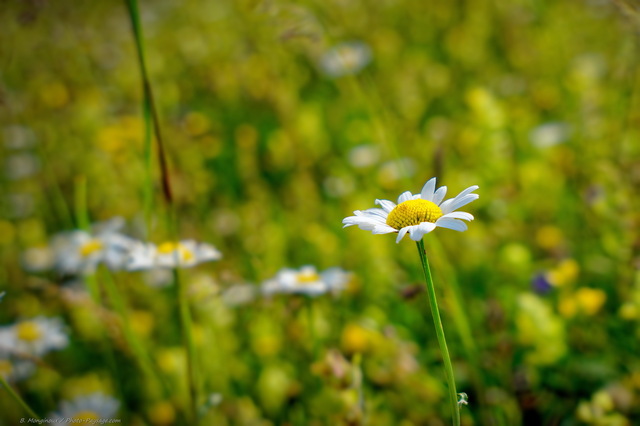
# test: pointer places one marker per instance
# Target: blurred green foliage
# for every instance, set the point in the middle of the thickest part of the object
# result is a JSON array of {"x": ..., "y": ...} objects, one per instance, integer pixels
[{"x": 534, "y": 101}]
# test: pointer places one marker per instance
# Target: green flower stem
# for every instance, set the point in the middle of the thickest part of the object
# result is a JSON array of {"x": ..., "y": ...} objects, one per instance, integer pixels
[
  {"x": 17, "y": 398},
  {"x": 462, "y": 324},
  {"x": 186, "y": 324},
  {"x": 442, "y": 342}
]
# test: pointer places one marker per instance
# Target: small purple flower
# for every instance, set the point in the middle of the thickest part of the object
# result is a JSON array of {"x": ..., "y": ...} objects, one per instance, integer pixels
[{"x": 540, "y": 284}]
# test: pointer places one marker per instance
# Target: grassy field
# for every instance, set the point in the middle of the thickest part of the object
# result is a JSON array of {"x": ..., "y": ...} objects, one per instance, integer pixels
[{"x": 171, "y": 241}]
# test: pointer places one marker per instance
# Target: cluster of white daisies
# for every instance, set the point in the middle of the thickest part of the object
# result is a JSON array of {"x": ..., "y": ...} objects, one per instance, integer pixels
[{"x": 79, "y": 252}]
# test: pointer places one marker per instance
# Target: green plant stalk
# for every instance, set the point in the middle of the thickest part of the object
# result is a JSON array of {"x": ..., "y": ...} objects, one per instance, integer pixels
[
  {"x": 312, "y": 330},
  {"x": 150, "y": 111},
  {"x": 81, "y": 213},
  {"x": 442, "y": 342},
  {"x": 461, "y": 322},
  {"x": 17, "y": 398},
  {"x": 186, "y": 324},
  {"x": 152, "y": 123},
  {"x": 137, "y": 346}
]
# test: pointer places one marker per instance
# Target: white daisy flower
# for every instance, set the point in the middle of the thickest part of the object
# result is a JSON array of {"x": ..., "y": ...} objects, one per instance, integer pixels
[
  {"x": 15, "y": 370},
  {"x": 417, "y": 214},
  {"x": 80, "y": 252},
  {"x": 345, "y": 59},
  {"x": 88, "y": 409},
  {"x": 183, "y": 254},
  {"x": 239, "y": 294},
  {"x": 13, "y": 367},
  {"x": 34, "y": 337},
  {"x": 307, "y": 281}
]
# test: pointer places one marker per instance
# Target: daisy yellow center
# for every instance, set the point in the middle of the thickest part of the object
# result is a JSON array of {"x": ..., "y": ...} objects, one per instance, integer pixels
[
  {"x": 86, "y": 417},
  {"x": 171, "y": 247},
  {"x": 90, "y": 247},
  {"x": 413, "y": 212},
  {"x": 307, "y": 277},
  {"x": 28, "y": 331}
]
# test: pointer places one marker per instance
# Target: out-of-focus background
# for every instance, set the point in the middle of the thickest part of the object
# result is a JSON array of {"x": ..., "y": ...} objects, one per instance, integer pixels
[{"x": 278, "y": 120}]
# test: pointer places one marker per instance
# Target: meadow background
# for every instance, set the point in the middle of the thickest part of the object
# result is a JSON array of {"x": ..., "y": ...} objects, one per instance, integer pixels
[{"x": 268, "y": 150}]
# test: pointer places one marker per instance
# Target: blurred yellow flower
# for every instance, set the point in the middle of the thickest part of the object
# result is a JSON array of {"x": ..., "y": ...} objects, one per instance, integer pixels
[
  {"x": 587, "y": 301},
  {"x": 590, "y": 299},
  {"x": 171, "y": 360},
  {"x": 540, "y": 329},
  {"x": 86, "y": 384},
  {"x": 55, "y": 95},
  {"x": 567, "y": 306},
  {"x": 355, "y": 339},
  {"x": 549, "y": 237},
  {"x": 142, "y": 322},
  {"x": 196, "y": 123},
  {"x": 564, "y": 274},
  {"x": 628, "y": 311},
  {"x": 162, "y": 413}
]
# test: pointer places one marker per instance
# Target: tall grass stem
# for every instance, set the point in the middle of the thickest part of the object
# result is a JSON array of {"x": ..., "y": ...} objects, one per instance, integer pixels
[{"x": 17, "y": 398}]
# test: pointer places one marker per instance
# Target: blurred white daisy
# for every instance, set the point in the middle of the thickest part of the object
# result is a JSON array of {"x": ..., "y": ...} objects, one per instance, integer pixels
[
  {"x": 158, "y": 277},
  {"x": 13, "y": 367},
  {"x": 80, "y": 252},
  {"x": 306, "y": 281},
  {"x": 87, "y": 409},
  {"x": 550, "y": 134},
  {"x": 33, "y": 337},
  {"x": 15, "y": 370},
  {"x": 21, "y": 166},
  {"x": 37, "y": 259},
  {"x": 416, "y": 214},
  {"x": 239, "y": 294},
  {"x": 345, "y": 59},
  {"x": 170, "y": 254}
]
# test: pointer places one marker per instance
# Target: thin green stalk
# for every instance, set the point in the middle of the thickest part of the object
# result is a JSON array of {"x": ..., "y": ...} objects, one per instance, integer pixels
[
  {"x": 17, "y": 398},
  {"x": 81, "y": 213},
  {"x": 152, "y": 122},
  {"x": 137, "y": 346},
  {"x": 462, "y": 325},
  {"x": 310, "y": 323},
  {"x": 150, "y": 111},
  {"x": 186, "y": 325},
  {"x": 435, "y": 312}
]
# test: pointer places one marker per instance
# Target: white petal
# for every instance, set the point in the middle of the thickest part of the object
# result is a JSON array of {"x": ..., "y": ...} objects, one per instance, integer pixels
[
  {"x": 382, "y": 229},
  {"x": 427, "y": 227},
  {"x": 428, "y": 189},
  {"x": 405, "y": 196},
  {"x": 416, "y": 232},
  {"x": 364, "y": 222},
  {"x": 386, "y": 205},
  {"x": 402, "y": 233},
  {"x": 459, "y": 215},
  {"x": 468, "y": 191},
  {"x": 451, "y": 223},
  {"x": 455, "y": 203},
  {"x": 206, "y": 252},
  {"x": 439, "y": 195},
  {"x": 377, "y": 212}
]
